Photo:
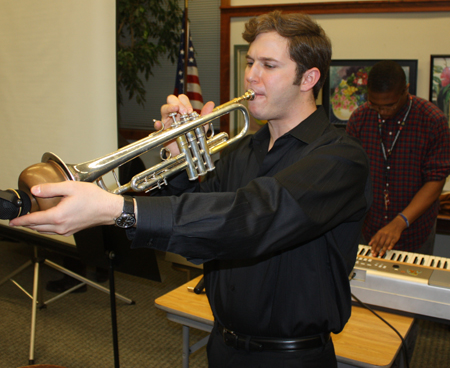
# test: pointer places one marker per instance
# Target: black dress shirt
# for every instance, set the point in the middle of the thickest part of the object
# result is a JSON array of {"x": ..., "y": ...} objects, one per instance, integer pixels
[{"x": 277, "y": 230}]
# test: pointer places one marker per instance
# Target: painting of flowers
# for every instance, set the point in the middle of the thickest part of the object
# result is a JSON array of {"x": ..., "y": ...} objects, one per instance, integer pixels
[
  {"x": 350, "y": 91},
  {"x": 440, "y": 82},
  {"x": 345, "y": 88}
]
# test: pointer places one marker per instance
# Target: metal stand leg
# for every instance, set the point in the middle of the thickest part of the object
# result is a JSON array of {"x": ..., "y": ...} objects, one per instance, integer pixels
[
  {"x": 83, "y": 280},
  {"x": 33, "y": 311},
  {"x": 37, "y": 300},
  {"x": 16, "y": 272},
  {"x": 113, "y": 310}
]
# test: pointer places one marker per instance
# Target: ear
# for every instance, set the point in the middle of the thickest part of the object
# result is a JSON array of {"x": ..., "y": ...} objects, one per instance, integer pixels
[{"x": 309, "y": 79}]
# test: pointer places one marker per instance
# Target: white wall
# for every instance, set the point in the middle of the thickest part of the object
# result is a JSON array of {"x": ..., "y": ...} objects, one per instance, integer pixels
[
  {"x": 378, "y": 36},
  {"x": 268, "y": 2},
  {"x": 57, "y": 82}
]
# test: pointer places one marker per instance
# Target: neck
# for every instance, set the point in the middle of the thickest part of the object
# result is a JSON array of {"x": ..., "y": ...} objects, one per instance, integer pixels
[{"x": 279, "y": 127}]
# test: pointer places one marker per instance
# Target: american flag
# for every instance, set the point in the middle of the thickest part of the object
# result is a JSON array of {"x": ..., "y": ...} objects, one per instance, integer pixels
[{"x": 193, "y": 89}]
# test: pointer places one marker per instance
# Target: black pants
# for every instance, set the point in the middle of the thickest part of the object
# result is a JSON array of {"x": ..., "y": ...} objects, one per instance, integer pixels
[{"x": 222, "y": 356}]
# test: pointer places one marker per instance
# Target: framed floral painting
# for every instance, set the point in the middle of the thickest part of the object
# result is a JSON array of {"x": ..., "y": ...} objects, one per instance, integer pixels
[
  {"x": 440, "y": 82},
  {"x": 345, "y": 88}
]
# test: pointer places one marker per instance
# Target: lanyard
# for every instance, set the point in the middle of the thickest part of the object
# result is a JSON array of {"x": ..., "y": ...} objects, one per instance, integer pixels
[{"x": 388, "y": 153}]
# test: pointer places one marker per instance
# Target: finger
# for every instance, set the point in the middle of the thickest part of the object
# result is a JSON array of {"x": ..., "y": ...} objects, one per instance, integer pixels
[
  {"x": 382, "y": 252},
  {"x": 381, "y": 249},
  {"x": 157, "y": 124},
  {"x": 373, "y": 244},
  {"x": 375, "y": 250},
  {"x": 186, "y": 106},
  {"x": 386, "y": 244},
  {"x": 208, "y": 108},
  {"x": 377, "y": 246},
  {"x": 180, "y": 104},
  {"x": 49, "y": 190},
  {"x": 35, "y": 219},
  {"x": 173, "y": 105},
  {"x": 391, "y": 245}
]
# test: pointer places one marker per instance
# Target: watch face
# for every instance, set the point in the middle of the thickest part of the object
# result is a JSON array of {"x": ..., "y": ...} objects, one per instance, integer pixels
[{"x": 125, "y": 220}]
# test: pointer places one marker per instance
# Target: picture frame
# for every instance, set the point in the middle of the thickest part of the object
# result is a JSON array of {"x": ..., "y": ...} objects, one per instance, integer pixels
[
  {"x": 240, "y": 63},
  {"x": 440, "y": 82},
  {"x": 345, "y": 88}
]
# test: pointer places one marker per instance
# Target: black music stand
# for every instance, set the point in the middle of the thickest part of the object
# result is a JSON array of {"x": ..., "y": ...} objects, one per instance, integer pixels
[
  {"x": 117, "y": 256},
  {"x": 114, "y": 253}
]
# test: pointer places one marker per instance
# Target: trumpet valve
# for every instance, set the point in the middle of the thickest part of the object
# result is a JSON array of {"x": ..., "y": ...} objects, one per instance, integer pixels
[{"x": 175, "y": 123}]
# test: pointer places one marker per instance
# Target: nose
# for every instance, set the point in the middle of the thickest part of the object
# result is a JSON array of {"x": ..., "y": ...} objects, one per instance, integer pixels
[{"x": 251, "y": 75}]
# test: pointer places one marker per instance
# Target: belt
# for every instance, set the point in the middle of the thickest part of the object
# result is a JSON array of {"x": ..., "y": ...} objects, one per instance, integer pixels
[{"x": 245, "y": 342}]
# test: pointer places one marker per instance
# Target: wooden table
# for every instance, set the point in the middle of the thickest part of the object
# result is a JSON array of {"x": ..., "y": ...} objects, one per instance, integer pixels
[{"x": 366, "y": 341}]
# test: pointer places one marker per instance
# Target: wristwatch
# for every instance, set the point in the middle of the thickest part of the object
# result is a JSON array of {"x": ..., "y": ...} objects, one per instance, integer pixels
[{"x": 127, "y": 219}]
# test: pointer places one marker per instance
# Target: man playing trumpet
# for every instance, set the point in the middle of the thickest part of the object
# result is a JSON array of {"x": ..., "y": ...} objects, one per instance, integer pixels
[{"x": 276, "y": 224}]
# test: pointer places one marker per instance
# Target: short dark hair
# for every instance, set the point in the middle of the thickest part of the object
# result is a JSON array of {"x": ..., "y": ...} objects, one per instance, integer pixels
[
  {"x": 386, "y": 76},
  {"x": 309, "y": 46}
]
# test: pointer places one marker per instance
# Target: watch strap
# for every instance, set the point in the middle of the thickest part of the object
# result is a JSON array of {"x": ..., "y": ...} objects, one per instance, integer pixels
[
  {"x": 128, "y": 205},
  {"x": 127, "y": 218}
]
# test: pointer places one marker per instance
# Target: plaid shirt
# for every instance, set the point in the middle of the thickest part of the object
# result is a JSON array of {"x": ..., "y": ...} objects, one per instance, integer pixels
[{"x": 421, "y": 154}]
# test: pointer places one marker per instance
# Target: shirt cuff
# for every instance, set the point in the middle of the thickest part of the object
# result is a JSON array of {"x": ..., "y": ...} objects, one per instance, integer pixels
[{"x": 154, "y": 221}]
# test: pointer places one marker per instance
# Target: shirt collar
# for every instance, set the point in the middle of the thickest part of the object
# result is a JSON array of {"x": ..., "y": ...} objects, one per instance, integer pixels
[{"x": 306, "y": 131}]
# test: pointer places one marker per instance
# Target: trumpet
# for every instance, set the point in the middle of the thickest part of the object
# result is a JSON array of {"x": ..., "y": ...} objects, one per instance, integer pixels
[{"x": 188, "y": 131}]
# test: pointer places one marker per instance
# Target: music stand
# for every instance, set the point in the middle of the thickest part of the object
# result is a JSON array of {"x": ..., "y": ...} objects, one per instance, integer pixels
[
  {"x": 111, "y": 254},
  {"x": 117, "y": 256}
]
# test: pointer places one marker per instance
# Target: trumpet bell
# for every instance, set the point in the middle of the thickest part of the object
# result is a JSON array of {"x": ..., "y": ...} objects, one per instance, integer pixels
[{"x": 41, "y": 173}]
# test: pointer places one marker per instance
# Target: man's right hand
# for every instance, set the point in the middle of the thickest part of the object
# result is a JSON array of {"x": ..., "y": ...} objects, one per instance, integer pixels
[
  {"x": 386, "y": 238},
  {"x": 180, "y": 105}
]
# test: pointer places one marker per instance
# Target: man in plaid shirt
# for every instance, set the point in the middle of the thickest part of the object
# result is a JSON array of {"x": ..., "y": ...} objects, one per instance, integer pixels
[{"x": 407, "y": 140}]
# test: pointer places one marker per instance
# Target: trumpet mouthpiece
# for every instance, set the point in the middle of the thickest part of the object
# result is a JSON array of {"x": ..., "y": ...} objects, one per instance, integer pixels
[{"x": 250, "y": 95}]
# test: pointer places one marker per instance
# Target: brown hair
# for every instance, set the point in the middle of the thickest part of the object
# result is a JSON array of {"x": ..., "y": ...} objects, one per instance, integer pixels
[{"x": 309, "y": 46}]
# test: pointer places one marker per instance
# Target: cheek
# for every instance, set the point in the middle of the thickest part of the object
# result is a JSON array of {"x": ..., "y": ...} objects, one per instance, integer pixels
[{"x": 256, "y": 109}]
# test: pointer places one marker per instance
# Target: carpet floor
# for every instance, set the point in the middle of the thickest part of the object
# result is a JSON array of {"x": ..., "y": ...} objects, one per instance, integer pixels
[{"x": 75, "y": 331}]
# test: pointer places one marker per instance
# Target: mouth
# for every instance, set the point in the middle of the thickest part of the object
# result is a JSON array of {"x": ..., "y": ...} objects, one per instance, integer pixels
[{"x": 257, "y": 95}]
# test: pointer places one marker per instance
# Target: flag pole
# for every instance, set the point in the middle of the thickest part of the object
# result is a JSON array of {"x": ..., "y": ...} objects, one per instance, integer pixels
[{"x": 186, "y": 44}]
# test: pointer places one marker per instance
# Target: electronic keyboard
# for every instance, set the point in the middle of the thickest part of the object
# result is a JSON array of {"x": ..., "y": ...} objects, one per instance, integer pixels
[{"x": 410, "y": 282}]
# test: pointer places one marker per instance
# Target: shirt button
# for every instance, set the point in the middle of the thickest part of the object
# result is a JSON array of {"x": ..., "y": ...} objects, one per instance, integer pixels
[
  {"x": 388, "y": 167},
  {"x": 232, "y": 287},
  {"x": 385, "y": 217},
  {"x": 390, "y": 133}
]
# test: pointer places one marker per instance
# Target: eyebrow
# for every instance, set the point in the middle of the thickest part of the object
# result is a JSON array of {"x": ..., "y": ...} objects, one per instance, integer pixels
[{"x": 264, "y": 59}]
